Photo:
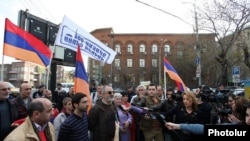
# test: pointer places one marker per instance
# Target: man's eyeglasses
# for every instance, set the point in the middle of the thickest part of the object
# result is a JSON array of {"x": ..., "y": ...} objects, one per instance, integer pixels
[
  {"x": 5, "y": 89},
  {"x": 111, "y": 92}
]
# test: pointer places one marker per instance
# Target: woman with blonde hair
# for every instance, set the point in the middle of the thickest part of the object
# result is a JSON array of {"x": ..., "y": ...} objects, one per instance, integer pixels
[
  {"x": 187, "y": 112},
  {"x": 66, "y": 111}
]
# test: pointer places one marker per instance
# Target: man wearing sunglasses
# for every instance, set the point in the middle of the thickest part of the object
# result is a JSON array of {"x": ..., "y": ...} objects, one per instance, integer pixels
[
  {"x": 102, "y": 117},
  {"x": 23, "y": 100},
  {"x": 8, "y": 111}
]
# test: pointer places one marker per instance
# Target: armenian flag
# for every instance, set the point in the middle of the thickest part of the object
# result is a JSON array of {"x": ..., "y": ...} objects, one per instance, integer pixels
[
  {"x": 22, "y": 45},
  {"x": 81, "y": 79},
  {"x": 174, "y": 75}
]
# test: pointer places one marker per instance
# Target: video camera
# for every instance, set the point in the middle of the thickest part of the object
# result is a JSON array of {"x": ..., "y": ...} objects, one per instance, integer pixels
[{"x": 225, "y": 111}]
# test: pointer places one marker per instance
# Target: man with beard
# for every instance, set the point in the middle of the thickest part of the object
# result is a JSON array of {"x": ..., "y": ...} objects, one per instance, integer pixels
[
  {"x": 102, "y": 117},
  {"x": 75, "y": 127}
]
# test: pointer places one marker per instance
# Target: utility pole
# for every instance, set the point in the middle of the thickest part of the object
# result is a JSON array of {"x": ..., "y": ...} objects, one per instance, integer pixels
[{"x": 197, "y": 46}]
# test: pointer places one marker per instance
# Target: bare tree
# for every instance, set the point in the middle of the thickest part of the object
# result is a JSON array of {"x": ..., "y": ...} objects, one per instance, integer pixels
[{"x": 227, "y": 19}]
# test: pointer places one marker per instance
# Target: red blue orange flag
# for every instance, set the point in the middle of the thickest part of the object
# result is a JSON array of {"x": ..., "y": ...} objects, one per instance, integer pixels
[
  {"x": 22, "y": 45},
  {"x": 81, "y": 78},
  {"x": 174, "y": 75}
]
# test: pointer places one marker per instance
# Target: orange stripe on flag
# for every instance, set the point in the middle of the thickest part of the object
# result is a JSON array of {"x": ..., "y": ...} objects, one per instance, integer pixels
[{"x": 21, "y": 54}]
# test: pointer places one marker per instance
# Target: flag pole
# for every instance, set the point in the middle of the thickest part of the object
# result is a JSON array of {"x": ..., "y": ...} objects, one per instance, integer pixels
[
  {"x": 48, "y": 67},
  {"x": 2, "y": 69},
  {"x": 165, "y": 85}
]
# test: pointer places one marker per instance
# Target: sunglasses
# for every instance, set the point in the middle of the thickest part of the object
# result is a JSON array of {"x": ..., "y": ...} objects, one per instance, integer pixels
[
  {"x": 5, "y": 89},
  {"x": 110, "y": 92}
]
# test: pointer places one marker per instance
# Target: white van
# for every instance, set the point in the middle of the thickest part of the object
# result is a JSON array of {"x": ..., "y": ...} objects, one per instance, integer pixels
[{"x": 67, "y": 86}]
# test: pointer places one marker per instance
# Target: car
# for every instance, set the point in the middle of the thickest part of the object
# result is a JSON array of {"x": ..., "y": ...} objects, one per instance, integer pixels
[
  {"x": 67, "y": 86},
  {"x": 239, "y": 91}
]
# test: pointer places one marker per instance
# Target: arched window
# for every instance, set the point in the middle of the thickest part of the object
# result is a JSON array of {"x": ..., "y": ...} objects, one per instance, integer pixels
[
  {"x": 154, "y": 48},
  {"x": 142, "y": 48},
  {"x": 130, "y": 48},
  {"x": 167, "y": 48},
  {"x": 118, "y": 48}
]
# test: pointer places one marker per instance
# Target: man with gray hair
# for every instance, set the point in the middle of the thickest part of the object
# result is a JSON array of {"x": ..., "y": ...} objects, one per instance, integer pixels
[
  {"x": 102, "y": 117},
  {"x": 8, "y": 111}
]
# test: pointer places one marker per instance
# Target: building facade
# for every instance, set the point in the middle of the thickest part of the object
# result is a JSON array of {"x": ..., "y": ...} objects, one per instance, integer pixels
[
  {"x": 140, "y": 57},
  {"x": 26, "y": 72}
]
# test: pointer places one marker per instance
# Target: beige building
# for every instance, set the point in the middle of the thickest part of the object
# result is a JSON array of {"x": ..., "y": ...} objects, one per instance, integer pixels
[{"x": 23, "y": 71}]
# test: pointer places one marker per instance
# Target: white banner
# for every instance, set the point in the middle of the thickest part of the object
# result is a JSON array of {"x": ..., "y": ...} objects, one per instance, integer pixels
[{"x": 70, "y": 35}]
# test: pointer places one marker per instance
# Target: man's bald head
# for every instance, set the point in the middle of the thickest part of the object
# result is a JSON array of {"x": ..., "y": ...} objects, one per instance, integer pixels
[
  {"x": 40, "y": 111},
  {"x": 25, "y": 90},
  {"x": 38, "y": 104}
]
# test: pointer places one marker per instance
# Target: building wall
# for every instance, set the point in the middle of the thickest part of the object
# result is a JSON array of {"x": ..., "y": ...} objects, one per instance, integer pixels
[
  {"x": 185, "y": 66},
  {"x": 19, "y": 72}
]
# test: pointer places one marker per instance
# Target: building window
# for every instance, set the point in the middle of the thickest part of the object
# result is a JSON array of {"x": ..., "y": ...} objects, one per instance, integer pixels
[
  {"x": 154, "y": 48},
  {"x": 142, "y": 62},
  {"x": 154, "y": 63},
  {"x": 130, "y": 48},
  {"x": 116, "y": 78},
  {"x": 129, "y": 63},
  {"x": 179, "y": 54},
  {"x": 117, "y": 62},
  {"x": 142, "y": 48},
  {"x": 118, "y": 48},
  {"x": 167, "y": 48}
]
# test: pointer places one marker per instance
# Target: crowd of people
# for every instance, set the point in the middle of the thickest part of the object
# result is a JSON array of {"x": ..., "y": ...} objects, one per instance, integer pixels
[{"x": 143, "y": 113}]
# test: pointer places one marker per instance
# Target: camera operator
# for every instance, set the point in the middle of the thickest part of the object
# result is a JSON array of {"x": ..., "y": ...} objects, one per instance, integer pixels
[
  {"x": 226, "y": 108},
  {"x": 205, "y": 108},
  {"x": 149, "y": 124}
]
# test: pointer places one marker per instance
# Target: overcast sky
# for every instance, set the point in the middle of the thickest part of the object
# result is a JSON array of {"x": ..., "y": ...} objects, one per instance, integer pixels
[{"x": 124, "y": 16}]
